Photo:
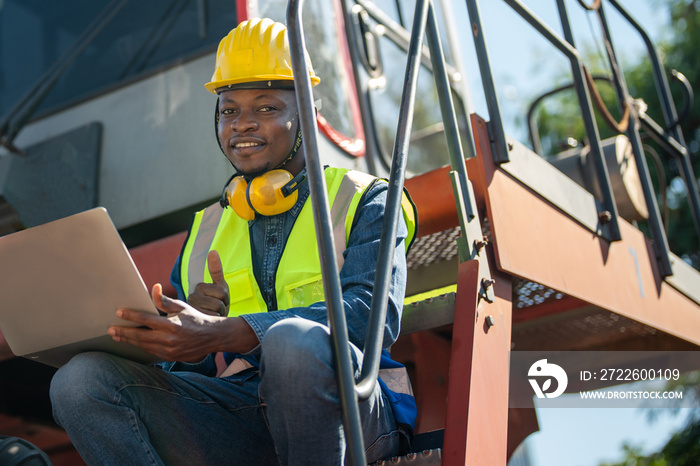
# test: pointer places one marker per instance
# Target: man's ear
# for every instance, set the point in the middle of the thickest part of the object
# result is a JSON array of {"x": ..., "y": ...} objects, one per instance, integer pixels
[
  {"x": 216, "y": 132},
  {"x": 216, "y": 126}
]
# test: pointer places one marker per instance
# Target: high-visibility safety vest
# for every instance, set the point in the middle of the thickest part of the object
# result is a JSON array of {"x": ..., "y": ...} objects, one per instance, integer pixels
[{"x": 298, "y": 280}]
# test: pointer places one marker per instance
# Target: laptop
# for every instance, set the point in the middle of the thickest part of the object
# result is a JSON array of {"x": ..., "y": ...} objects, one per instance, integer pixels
[{"x": 60, "y": 286}]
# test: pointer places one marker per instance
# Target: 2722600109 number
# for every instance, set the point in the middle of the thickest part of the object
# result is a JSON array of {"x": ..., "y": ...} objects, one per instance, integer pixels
[{"x": 630, "y": 375}]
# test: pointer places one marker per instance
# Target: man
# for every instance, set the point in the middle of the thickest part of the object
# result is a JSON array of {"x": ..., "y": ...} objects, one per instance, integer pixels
[{"x": 251, "y": 277}]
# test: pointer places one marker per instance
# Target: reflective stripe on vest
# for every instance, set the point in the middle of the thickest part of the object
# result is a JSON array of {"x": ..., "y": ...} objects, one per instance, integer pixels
[
  {"x": 197, "y": 257},
  {"x": 352, "y": 183}
]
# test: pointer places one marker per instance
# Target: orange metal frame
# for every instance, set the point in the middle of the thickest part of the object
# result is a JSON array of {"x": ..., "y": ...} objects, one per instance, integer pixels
[
  {"x": 536, "y": 241},
  {"x": 476, "y": 425}
]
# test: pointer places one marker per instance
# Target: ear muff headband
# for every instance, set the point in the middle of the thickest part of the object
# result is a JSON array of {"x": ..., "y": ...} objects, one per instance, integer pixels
[{"x": 271, "y": 193}]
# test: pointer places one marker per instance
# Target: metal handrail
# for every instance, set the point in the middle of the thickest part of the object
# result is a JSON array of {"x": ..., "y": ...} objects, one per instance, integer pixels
[
  {"x": 447, "y": 108},
  {"x": 674, "y": 135},
  {"x": 656, "y": 225},
  {"x": 424, "y": 19},
  {"x": 567, "y": 47},
  {"x": 387, "y": 243},
  {"x": 533, "y": 130},
  {"x": 324, "y": 234},
  {"x": 495, "y": 125},
  {"x": 609, "y": 217},
  {"x": 687, "y": 103},
  {"x": 658, "y": 233}
]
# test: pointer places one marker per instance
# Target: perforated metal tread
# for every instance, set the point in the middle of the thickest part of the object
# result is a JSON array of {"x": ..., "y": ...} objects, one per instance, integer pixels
[
  {"x": 426, "y": 451},
  {"x": 424, "y": 458}
]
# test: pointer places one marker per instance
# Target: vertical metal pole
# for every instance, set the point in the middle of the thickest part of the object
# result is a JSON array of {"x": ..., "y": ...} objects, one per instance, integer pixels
[
  {"x": 449, "y": 118},
  {"x": 387, "y": 243},
  {"x": 372, "y": 149},
  {"x": 496, "y": 131},
  {"x": 662, "y": 88},
  {"x": 464, "y": 195},
  {"x": 609, "y": 216},
  {"x": 455, "y": 47},
  {"x": 324, "y": 234},
  {"x": 603, "y": 177},
  {"x": 658, "y": 233}
]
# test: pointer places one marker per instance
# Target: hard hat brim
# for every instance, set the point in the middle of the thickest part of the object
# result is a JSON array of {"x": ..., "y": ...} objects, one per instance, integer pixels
[{"x": 255, "y": 82}]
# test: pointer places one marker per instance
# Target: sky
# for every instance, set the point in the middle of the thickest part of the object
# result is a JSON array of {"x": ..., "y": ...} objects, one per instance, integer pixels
[
  {"x": 525, "y": 66},
  {"x": 583, "y": 437}
]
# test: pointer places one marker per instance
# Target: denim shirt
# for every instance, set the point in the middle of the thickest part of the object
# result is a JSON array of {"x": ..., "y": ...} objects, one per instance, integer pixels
[
  {"x": 268, "y": 239},
  {"x": 268, "y": 236}
]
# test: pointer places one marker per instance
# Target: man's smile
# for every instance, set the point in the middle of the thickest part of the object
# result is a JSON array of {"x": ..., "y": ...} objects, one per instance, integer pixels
[
  {"x": 241, "y": 145},
  {"x": 245, "y": 147}
]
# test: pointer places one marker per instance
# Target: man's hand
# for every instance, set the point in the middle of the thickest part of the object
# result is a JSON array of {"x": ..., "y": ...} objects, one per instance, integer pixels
[
  {"x": 212, "y": 298},
  {"x": 185, "y": 334}
]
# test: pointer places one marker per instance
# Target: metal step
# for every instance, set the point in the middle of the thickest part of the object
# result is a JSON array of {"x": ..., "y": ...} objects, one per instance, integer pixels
[
  {"x": 424, "y": 458},
  {"x": 429, "y": 313},
  {"x": 426, "y": 449}
]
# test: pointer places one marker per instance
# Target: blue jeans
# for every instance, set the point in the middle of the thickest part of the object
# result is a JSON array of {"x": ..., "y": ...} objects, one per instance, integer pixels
[{"x": 120, "y": 412}]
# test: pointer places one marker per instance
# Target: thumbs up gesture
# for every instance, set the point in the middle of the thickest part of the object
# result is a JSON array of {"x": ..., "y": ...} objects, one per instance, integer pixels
[{"x": 212, "y": 298}]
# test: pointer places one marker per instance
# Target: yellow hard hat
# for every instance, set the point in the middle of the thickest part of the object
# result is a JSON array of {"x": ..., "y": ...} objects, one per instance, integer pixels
[{"x": 255, "y": 54}]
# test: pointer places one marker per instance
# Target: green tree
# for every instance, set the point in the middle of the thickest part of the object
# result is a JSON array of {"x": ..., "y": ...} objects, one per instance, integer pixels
[{"x": 683, "y": 449}]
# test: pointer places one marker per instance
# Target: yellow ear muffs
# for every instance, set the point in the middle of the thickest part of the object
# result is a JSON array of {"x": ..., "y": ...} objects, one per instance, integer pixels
[
  {"x": 236, "y": 197},
  {"x": 265, "y": 196},
  {"x": 271, "y": 193}
]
